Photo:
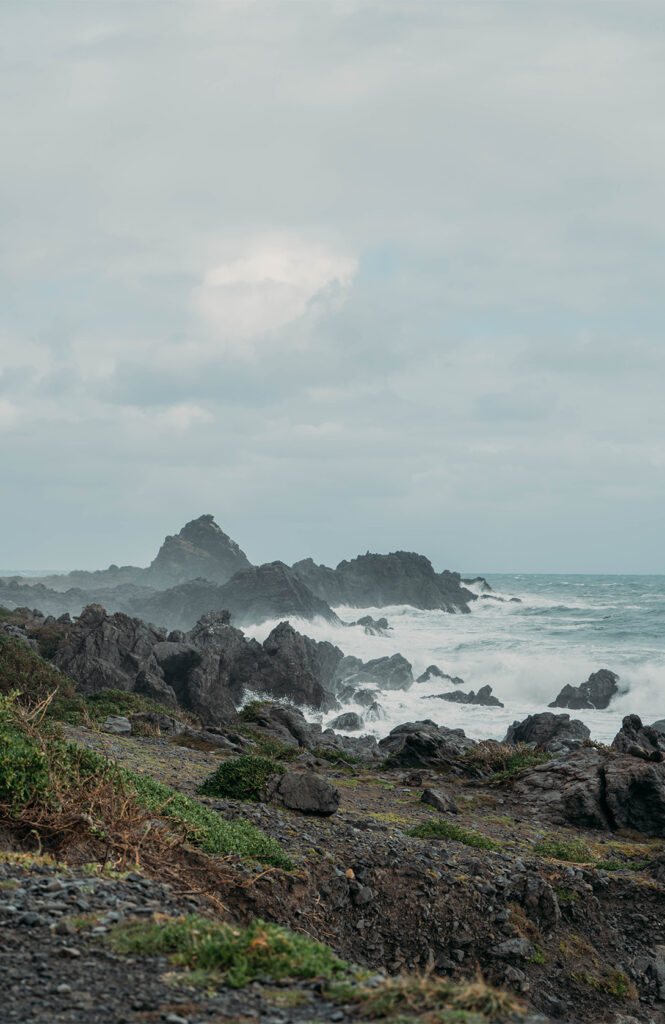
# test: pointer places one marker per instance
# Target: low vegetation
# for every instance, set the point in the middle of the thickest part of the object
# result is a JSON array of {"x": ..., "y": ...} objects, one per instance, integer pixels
[
  {"x": 237, "y": 956},
  {"x": 446, "y": 830},
  {"x": 503, "y": 761},
  {"x": 241, "y": 778},
  {"x": 575, "y": 850},
  {"x": 436, "y": 1000}
]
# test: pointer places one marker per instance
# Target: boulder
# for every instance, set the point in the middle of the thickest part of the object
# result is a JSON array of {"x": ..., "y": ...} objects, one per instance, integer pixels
[
  {"x": 375, "y": 712},
  {"x": 639, "y": 740},
  {"x": 483, "y": 697},
  {"x": 597, "y": 692},
  {"x": 303, "y": 791},
  {"x": 416, "y": 744},
  {"x": 434, "y": 672},
  {"x": 556, "y": 733},
  {"x": 597, "y": 789},
  {"x": 348, "y": 722},
  {"x": 118, "y": 725},
  {"x": 365, "y": 697},
  {"x": 157, "y": 722},
  {"x": 440, "y": 799}
]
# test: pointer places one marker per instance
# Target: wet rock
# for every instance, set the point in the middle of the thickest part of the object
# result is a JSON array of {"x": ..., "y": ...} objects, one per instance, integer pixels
[
  {"x": 483, "y": 697},
  {"x": 349, "y": 722},
  {"x": 597, "y": 692},
  {"x": 375, "y": 712},
  {"x": 434, "y": 672},
  {"x": 373, "y": 627},
  {"x": 556, "y": 733},
  {"x": 304, "y": 792},
  {"x": 389, "y": 673}
]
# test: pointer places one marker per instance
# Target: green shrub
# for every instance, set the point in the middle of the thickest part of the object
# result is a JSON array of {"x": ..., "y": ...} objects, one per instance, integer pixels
[
  {"x": 250, "y": 712},
  {"x": 560, "y": 849},
  {"x": 238, "y": 955},
  {"x": 240, "y": 778},
  {"x": 268, "y": 746},
  {"x": 23, "y": 764},
  {"x": 22, "y": 670},
  {"x": 446, "y": 830}
]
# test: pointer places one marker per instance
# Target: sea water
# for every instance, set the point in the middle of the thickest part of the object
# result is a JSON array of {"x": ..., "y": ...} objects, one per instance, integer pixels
[{"x": 563, "y": 628}]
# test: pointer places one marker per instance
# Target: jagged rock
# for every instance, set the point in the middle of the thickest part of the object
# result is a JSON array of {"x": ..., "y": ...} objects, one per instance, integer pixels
[
  {"x": 514, "y": 949},
  {"x": 303, "y": 791},
  {"x": 478, "y": 581},
  {"x": 556, "y": 733},
  {"x": 483, "y": 697},
  {"x": 440, "y": 799},
  {"x": 597, "y": 789},
  {"x": 349, "y": 722},
  {"x": 364, "y": 697},
  {"x": 375, "y": 712},
  {"x": 118, "y": 725},
  {"x": 370, "y": 580},
  {"x": 201, "y": 549},
  {"x": 597, "y": 692},
  {"x": 390, "y": 673},
  {"x": 289, "y": 665},
  {"x": 639, "y": 740},
  {"x": 271, "y": 591},
  {"x": 659, "y": 726},
  {"x": 373, "y": 627},
  {"x": 434, "y": 672},
  {"x": 415, "y": 744}
]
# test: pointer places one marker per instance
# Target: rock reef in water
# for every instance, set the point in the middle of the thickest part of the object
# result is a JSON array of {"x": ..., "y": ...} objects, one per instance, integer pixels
[
  {"x": 372, "y": 580},
  {"x": 597, "y": 692}
]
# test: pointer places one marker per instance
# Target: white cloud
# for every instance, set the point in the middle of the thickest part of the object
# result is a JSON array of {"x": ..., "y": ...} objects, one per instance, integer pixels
[{"x": 266, "y": 285}]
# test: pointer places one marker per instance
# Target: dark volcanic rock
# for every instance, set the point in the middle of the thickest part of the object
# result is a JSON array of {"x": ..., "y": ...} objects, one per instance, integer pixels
[
  {"x": 370, "y": 580},
  {"x": 201, "y": 549},
  {"x": 373, "y": 627},
  {"x": 392, "y": 673},
  {"x": 597, "y": 789},
  {"x": 304, "y": 792},
  {"x": 440, "y": 799},
  {"x": 424, "y": 743},
  {"x": 271, "y": 591},
  {"x": 483, "y": 697},
  {"x": 639, "y": 740},
  {"x": 556, "y": 733},
  {"x": 597, "y": 692},
  {"x": 434, "y": 672},
  {"x": 288, "y": 665},
  {"x": 105, "y": 651},
  {"x": 349, "y": 722}
]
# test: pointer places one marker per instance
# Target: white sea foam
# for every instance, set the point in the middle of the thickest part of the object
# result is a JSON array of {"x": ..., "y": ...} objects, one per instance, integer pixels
[{"x": 525, "y": 651}]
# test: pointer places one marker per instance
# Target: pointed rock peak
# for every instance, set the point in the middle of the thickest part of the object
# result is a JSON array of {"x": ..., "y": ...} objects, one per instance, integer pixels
[{"x": 201, "y": 549}]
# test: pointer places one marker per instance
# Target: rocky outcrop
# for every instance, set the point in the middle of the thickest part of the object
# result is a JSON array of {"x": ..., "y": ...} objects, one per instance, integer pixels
[
  {"x": 271, "y": 591},
  {"x": 288, "y": 665},
  {"x": 434, "y": 672},
  {"x": 640, "y": 740},
  {"x": 483, "y": 697},
  {"x": 556, "y": 733},
  {"x": 288, "y": 725},
  {"x": 420, "y": 744},
  {"x": 597, "y": 789},
  {"x": 597, "y": 692},
  {"x": 200, "y": 549},
  {"x": 389, "y": 673},
  {"x": 370, "y": 580}
]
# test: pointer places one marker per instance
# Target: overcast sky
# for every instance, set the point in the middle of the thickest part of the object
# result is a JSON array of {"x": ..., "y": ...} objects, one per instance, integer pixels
[{"x": 347, "y": 275}]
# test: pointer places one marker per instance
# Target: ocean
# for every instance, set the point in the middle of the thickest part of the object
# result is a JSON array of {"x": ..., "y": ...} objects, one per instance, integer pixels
[{"x": 564, "y": 628}]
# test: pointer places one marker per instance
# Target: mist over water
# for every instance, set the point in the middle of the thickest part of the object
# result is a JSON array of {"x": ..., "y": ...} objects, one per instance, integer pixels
[{"x": 564, "y": 628}]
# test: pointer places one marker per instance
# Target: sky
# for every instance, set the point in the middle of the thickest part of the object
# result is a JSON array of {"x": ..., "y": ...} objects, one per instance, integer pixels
[{"x": 349, "y": 276}]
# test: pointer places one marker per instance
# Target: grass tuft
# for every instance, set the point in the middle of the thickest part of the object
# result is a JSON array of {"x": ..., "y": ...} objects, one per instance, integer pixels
[
  {"x": 446, "y": 830},
  {"x": 575, "y": 850},
  {"x": 240, "y": 778},
  {"x": 237, "y": 955}
]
